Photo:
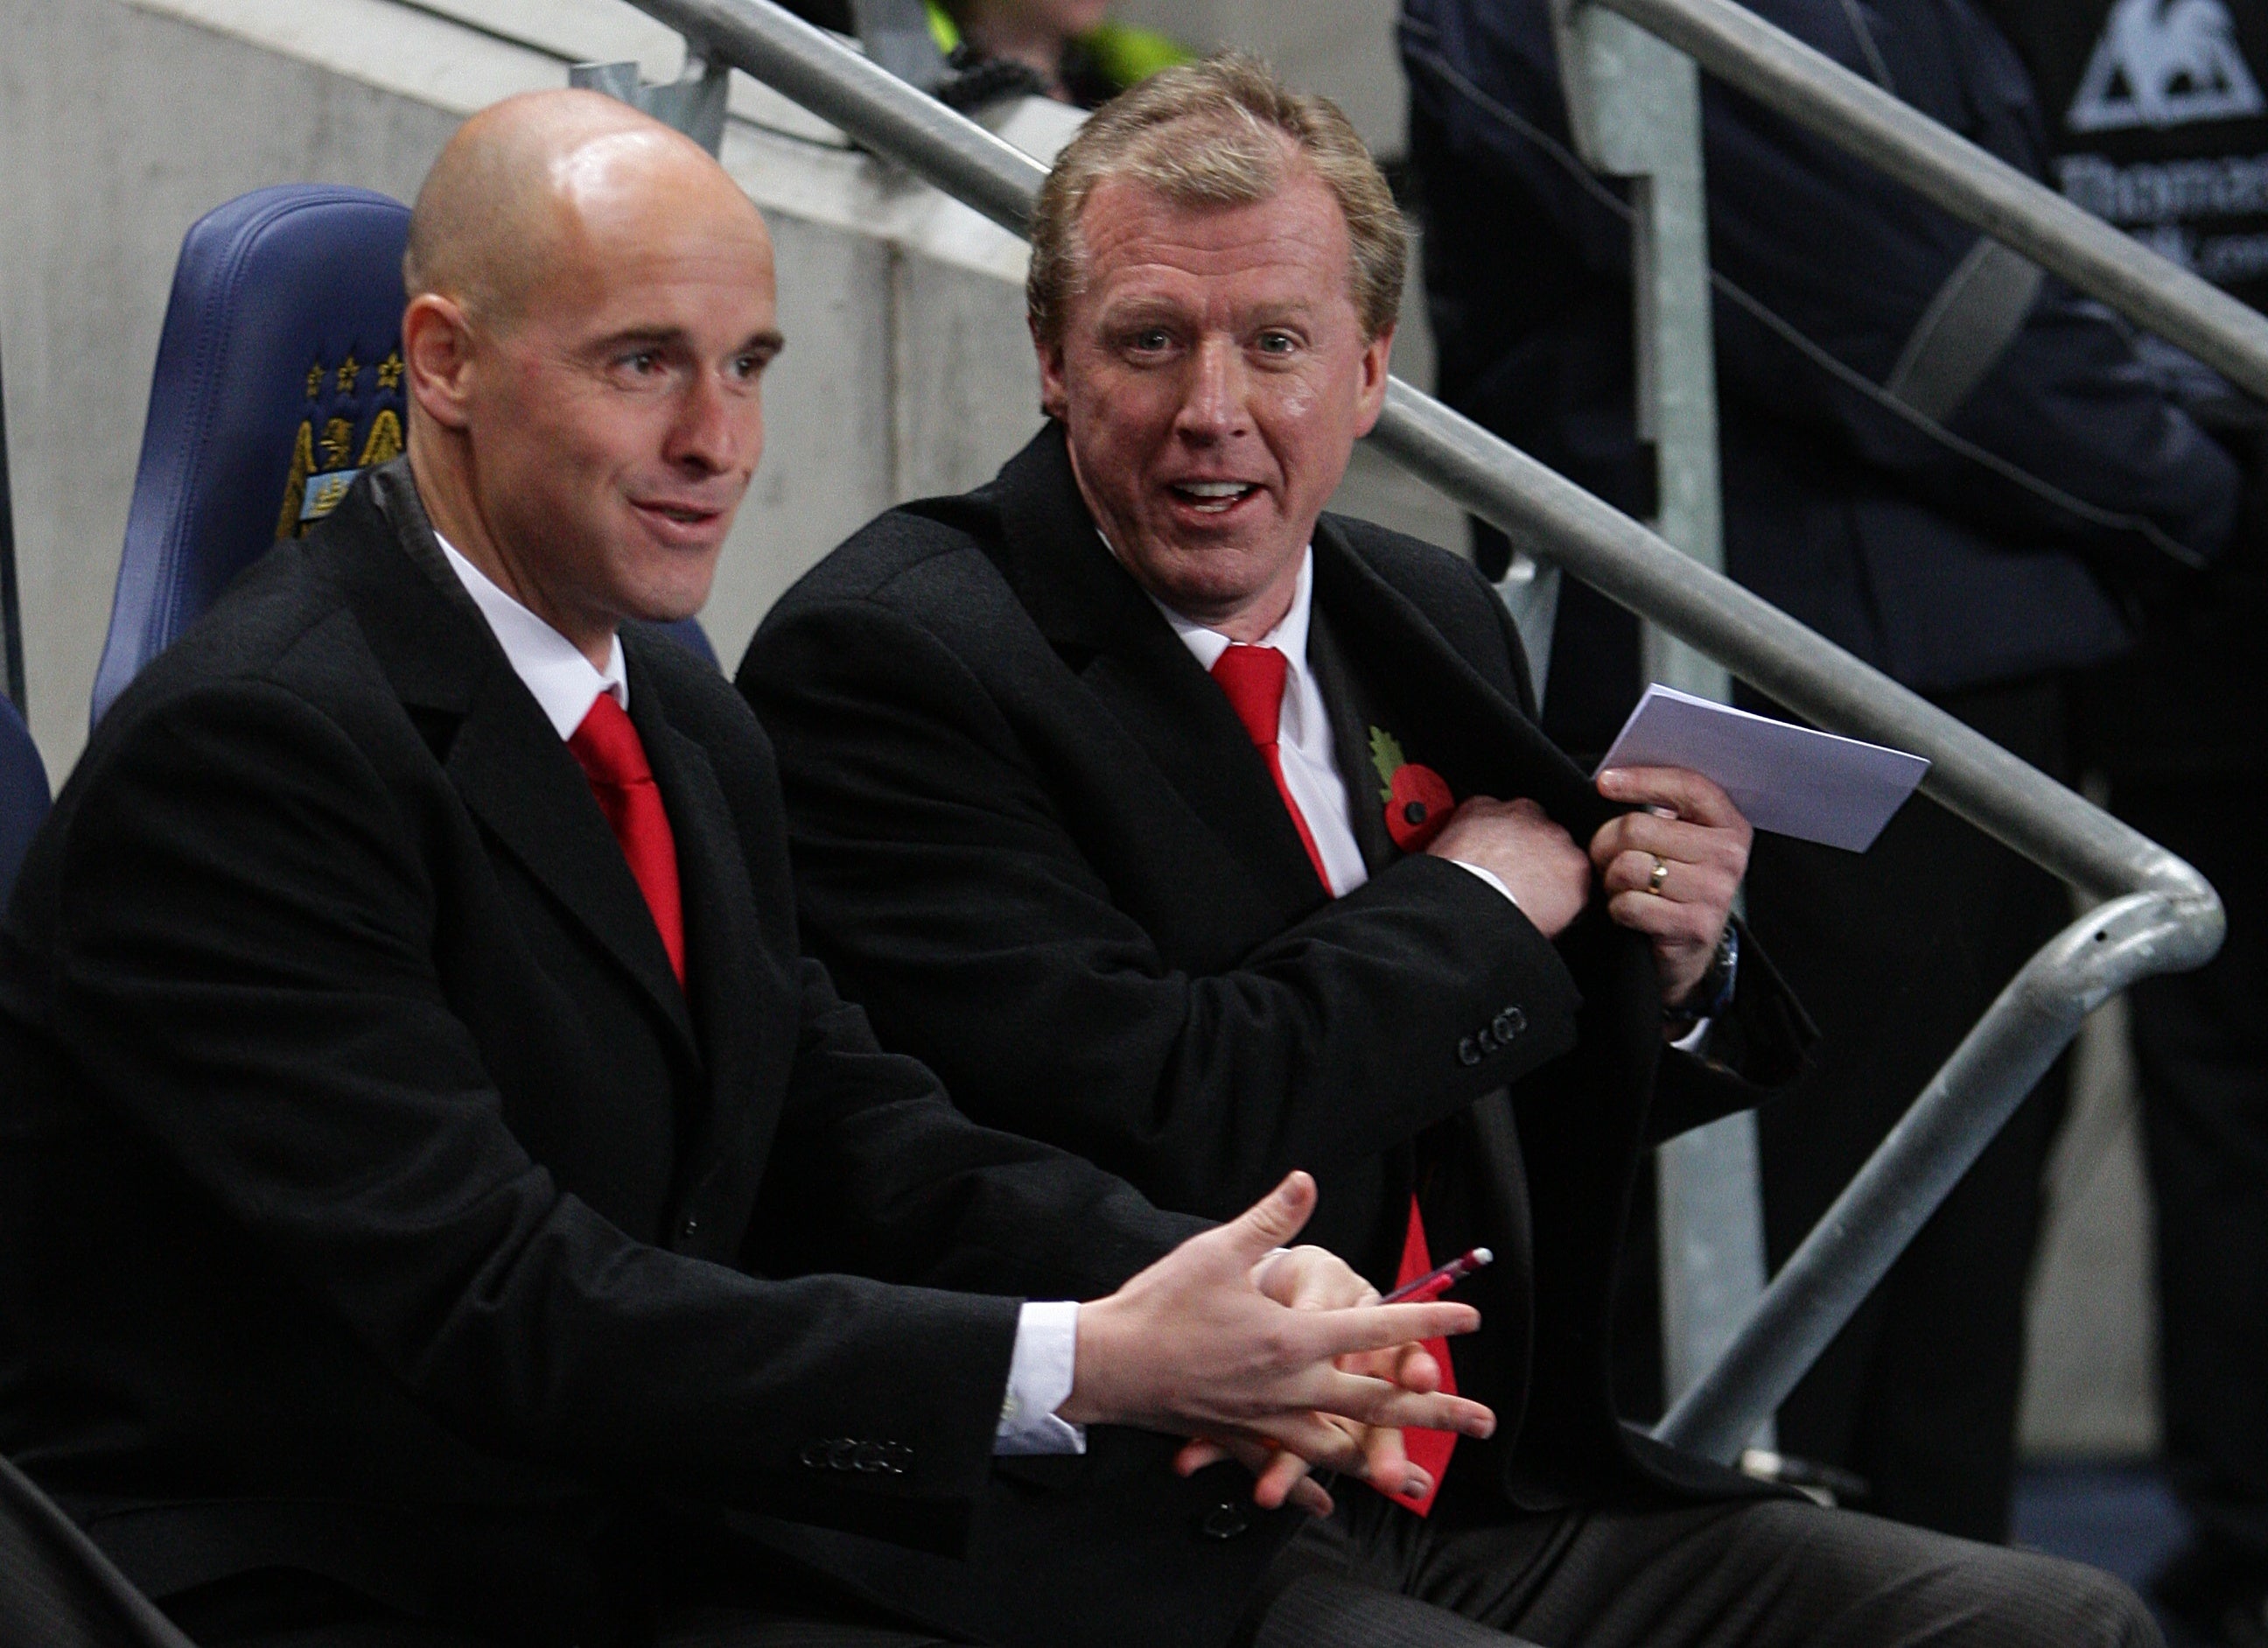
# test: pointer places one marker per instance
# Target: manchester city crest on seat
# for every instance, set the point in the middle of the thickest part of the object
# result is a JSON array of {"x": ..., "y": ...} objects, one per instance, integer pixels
[
  {"x": 2165, "y": 63},
  {"x": 353, "y": 420}
]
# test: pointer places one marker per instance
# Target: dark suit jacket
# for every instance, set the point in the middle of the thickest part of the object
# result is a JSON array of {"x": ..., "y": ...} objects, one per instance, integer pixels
[
  {"x": 1031, "y": 833},
  {"x": 373, "y": 1202}
]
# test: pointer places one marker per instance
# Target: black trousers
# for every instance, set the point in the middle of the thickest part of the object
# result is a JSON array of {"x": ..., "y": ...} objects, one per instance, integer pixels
[
  {"x": 1897, "y": 952},
  {"x": 1752, "y": 1574},
  {"x": 2201, "y": 1053}
]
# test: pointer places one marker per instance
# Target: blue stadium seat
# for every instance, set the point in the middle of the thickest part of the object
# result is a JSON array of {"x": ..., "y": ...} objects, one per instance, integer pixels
[
  {"x": 279, "y": 379},
  {"x": 278, "y": 375},
  {"x": 23, "y": 793}
]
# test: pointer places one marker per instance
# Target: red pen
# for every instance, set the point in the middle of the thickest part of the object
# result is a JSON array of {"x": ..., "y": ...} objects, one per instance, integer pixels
[{"x": 1435, "y": 1282}]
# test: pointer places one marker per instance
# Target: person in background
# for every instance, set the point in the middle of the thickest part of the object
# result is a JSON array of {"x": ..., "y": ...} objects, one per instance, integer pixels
[
  {"x": 1938, "y": 459},
  {"x": 2157, "y": 118},
  {"x": 1193, "y": 829},
  {"x": 1070, "y": 51}
]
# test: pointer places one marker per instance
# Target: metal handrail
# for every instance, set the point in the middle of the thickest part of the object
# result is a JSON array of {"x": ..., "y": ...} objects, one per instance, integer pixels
[
  {"x": 1983, "y": 190},
  {"x": 2160, "y": 915}
]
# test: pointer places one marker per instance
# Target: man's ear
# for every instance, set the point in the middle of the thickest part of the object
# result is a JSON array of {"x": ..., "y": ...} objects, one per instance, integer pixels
[
  {"x": 1370, "y": 398},
  {"x": 437, "y": 346},
  {"x": 1054, "y": 399}
]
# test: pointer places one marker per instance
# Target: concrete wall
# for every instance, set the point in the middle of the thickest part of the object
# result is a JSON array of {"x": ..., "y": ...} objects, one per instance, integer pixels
[
  {"x": 907, "y": 370},
  {"x": 126, "y": 122},
  {"x": 1342, "y": 48}
]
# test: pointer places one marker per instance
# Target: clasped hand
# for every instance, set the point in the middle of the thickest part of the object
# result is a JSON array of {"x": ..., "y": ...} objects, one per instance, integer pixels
[
  {"x": 1669, "y": 870},
  {"x": 1284, "y": 1361}
]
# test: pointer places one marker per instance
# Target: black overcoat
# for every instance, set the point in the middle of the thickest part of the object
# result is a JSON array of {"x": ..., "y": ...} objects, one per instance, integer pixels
[
  {"x": 372, "y": 1201},
  {"x": 1034, "y": 840}
]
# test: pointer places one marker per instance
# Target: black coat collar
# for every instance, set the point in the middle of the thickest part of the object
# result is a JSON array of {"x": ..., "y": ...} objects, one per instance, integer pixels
[{"x": 1113, "y": 636}]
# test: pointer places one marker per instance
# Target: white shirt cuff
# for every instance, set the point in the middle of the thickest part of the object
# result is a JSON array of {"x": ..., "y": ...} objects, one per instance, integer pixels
[
  {"x": 1490, "y": 876},
  {"x": 1039, "y": 1372}
]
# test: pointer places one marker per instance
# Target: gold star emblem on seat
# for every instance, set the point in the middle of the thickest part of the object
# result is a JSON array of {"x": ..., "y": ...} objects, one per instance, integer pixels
[
  {"x": 349, "y": 370},
  {"x": 389, "y": 371},
  {"x": 315, "y": 380}
]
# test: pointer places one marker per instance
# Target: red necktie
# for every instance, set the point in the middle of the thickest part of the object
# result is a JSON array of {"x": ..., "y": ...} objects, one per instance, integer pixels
[
  {"x": 613, "y": 758},
  {"x": 1253, "y": 678}
]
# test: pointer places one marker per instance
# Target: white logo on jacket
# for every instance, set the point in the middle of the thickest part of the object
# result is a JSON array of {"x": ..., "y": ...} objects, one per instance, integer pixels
[{"x": 2165, "y": 63}]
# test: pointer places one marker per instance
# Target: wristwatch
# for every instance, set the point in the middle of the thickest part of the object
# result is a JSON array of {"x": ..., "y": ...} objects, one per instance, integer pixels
[{"x": 1713, "y": 994}]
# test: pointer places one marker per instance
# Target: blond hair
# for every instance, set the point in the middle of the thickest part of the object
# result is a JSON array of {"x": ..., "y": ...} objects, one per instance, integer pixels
[{"x": 1222, "y": 132}]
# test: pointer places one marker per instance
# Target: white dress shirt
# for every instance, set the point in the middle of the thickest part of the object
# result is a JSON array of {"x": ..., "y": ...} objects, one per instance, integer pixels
[{"x": 564, "y": 686}]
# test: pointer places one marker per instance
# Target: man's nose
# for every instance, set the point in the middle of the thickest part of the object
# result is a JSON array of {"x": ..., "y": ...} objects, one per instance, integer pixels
[
  {"x": 713, "y": 424},
  {"x": 1213, "y": 407}
]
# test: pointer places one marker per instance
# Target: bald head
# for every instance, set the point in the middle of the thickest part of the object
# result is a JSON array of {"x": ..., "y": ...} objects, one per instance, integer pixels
[
  {"x": 524, "y": 178},
  {"x": 590, "y": 311}
]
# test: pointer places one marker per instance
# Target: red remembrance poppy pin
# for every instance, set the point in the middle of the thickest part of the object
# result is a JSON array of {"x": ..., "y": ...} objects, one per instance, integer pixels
[{"x": 1417, "y": 799}]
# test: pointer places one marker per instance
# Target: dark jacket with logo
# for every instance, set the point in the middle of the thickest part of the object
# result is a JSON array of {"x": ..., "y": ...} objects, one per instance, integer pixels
[
  {"x": 2157, "y": 119},
  {"x": 1947, "y": 559}
]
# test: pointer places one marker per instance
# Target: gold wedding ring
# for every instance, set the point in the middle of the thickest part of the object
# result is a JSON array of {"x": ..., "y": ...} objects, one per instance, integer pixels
[{"x": 1660, "y": 874}]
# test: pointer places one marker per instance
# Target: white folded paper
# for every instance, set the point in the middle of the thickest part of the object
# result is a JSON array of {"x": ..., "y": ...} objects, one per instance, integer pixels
[{"x": 1788, "y": 779}]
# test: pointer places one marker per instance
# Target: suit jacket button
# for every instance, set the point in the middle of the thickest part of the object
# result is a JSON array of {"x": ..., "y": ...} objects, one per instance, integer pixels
[
  {"x": 1224, "y": 1521},
  {"x": 688, "y": 1231},
  {"x": 1509, "y": 1023},
  {"x": 842, "y": 1453},
  {"x": 1466, "y": 1053},
  {"x": 813, "y": 1454}
]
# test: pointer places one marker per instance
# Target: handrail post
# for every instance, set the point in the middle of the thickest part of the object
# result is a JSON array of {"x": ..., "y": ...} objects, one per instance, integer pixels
[
  {"x": 12, "y": 609},
  {"x": 1634, "y": 106},
  {"x": 1937, "y": 1141},
  {"x": 694, "y": 103}
]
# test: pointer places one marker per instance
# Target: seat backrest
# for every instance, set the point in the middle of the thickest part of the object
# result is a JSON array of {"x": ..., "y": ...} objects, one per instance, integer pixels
[
  {"x": 57, "y": 1590},
  {"x": 23, "y": 794},
  {"x": 279, "y": 376},
  {"x": 279, "y": 379}
]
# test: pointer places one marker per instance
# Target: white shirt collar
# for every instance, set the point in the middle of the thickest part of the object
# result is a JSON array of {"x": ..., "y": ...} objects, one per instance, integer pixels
[{"x": 552, "y": 667}]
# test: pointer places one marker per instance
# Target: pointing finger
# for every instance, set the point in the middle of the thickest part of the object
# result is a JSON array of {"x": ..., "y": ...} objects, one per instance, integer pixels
[
  {"x": 1375, "y": 1327},
  {"x": 1272, "y": 1221}
]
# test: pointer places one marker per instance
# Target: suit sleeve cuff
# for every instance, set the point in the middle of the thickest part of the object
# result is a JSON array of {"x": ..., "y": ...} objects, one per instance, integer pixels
[
  {"x": 1490, "y": 877},
  {"x": 1040, "y": 1372}
]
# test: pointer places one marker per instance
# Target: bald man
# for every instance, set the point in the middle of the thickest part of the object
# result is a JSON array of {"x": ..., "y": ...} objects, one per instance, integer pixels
[{"x": 437, "y": 1204}]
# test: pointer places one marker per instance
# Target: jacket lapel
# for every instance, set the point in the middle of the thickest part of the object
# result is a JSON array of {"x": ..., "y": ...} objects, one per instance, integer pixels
[
  {"x": 724, "y": 956},
  {"x": 505, "y": 759},
  {"x": 1352, "y": 713},
  {"x": 1445, "y": 713},
  {"x": 1113, "y": 636}
]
